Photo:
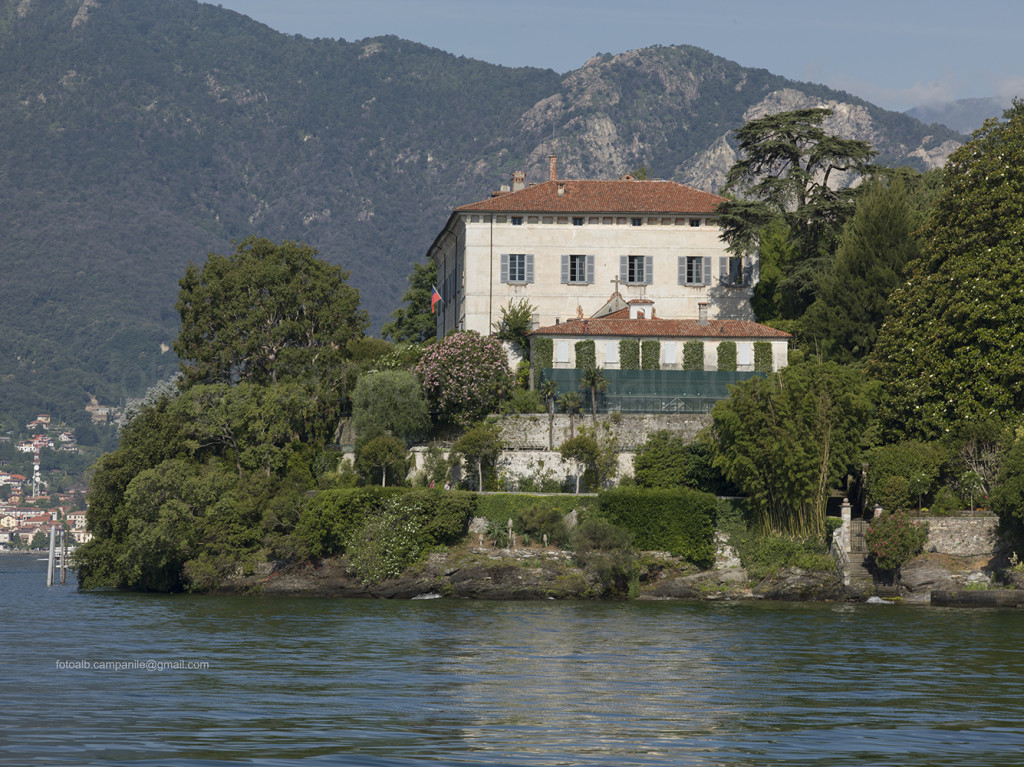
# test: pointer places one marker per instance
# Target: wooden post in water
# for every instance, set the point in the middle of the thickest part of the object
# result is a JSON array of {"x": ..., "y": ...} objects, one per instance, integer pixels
[
  {"x": 49, "y": 564},
  {"x": 63, "y": 556}
]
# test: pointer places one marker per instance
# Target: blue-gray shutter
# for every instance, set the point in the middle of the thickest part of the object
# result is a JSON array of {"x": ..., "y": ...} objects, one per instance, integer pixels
[
  {"x": 624, "y": 269},
  {"x": 565, "y": 270},
  {"x": 648, "y": 270},
  {"x": 504, "y": 267},
  {"x": 590, "y": 270},
  {"x": 529, "y": 267},
  {"x": 723, "y": 270},
  {"x": 748, "y": 271},
  {"x": 681, "y": 267},
  {"x": 706, "y": 272}
]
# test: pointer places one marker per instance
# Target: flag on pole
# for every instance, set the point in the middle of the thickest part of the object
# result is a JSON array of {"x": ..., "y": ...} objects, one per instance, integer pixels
[{"x": 434, "y": 299}]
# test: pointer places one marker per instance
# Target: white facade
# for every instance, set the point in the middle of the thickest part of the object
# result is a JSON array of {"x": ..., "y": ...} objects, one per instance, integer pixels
[{"x": 566, "y": 246}]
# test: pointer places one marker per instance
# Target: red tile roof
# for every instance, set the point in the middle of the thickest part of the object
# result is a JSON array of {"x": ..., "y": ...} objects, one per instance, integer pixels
[
  {"x": 659, "y": 328},
  {"x": 601, "y": 197}
]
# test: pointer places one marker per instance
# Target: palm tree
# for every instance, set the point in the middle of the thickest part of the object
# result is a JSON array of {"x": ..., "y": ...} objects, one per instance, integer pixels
[
  {"x": 593, "y": 379},
  {"x": 572, "y": 403},
  {"x": 548, "y": 389}
]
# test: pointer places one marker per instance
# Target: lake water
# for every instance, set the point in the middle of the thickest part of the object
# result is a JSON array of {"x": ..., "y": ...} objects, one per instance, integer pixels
[{"x": 275, "y": 681}]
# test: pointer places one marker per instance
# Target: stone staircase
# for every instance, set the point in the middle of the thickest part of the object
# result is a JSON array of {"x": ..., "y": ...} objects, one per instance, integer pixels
[{"x": 858, "y": 575}]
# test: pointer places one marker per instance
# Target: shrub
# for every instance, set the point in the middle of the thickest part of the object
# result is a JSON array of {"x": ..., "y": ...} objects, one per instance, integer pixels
[
  {"x": 607, "y": 550},
  {"x": 893, "y": 539},
  {"x": 539, "y": 520},
  {"x": 586, "y": 356},
  {"x": 946, "y": 501},
  {"x": 331, "y": 517},
  {"x": 763, "y": 362},
  {"x": 680, "y": 521},
  {"x": 693, "y": 355},
  {"x": 524, "y": 401},
  {"x": 386, "y": 543},
  {"x": 906, "y": 473},
  {"x": 727, "y": 355},
  {"x": 765, "y": 555},
  {"x": 465, "y": 375},
  {"x": 629, "y": 354}
]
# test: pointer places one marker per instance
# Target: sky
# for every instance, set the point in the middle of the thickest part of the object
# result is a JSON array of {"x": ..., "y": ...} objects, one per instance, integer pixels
[{"x": 897, "y": 54}]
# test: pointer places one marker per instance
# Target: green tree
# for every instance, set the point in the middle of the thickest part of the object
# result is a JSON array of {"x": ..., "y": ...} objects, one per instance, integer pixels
[
  {"x": 515, "y": 325},
  {"x": 266, "y": 313},
  {"x": 415, "y": 322},
  {"x": 790, "y": 168},
  {"x": 389, "y": 402},
  {"x": 853, "y": 298},
  {"x": 660, "y": 461},
  {"x": 384, "y": 453},
  {"x": 785, "y": 440},
  {"x": 572, "y": 403},
  {"x": 949, "y": 352},
  {"x": 583, "y": 451},
  {"x": 787, "y": 163},
  {"x": 592, "y": 378},
  {"x": 480, "y": 446}
]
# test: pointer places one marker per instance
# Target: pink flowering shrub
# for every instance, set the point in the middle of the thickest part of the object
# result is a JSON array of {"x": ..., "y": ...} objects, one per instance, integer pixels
[
  {"x": 465, "y": 376},
  {"x": 893, "y": 539}
]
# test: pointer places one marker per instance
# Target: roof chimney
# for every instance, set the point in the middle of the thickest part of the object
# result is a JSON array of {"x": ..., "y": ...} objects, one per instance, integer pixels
[
  {"x": 552, "y": 168},
  {"x": 702, "y": 313},
  {"x": 518, "y": 181}
]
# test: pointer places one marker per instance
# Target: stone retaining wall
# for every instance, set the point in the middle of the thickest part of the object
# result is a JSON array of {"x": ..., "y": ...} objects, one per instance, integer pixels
[
  {"x": 530, "y": 432},
  {"x": 973, "y": 536}
]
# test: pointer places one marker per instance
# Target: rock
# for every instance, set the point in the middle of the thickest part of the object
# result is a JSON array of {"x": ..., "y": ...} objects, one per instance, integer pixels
[
  {"x": 795, "y": 584},
  {"x": 923, "y": 575}
]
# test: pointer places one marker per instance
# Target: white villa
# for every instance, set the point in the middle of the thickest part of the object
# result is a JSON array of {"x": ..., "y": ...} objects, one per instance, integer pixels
[{"x": 566, "y": 246}]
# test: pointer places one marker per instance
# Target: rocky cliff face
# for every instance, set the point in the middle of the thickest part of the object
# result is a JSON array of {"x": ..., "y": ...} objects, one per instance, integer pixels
[{"x": 673, "y": 111}]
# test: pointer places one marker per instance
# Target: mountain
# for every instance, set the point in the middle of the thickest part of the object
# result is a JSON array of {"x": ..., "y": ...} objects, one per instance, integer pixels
[
  {"x": 964, "y": 115},
  {"x": 139, "y": 136}
]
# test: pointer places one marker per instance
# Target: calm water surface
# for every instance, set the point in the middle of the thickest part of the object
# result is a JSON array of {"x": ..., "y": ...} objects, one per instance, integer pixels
[{"x": 324, "y": 682}]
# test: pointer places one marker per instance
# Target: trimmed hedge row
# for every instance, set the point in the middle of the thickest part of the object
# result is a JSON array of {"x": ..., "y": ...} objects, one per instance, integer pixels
[
  {"x": 332, "y": 517},
  {"x": 678, "y": 520}
]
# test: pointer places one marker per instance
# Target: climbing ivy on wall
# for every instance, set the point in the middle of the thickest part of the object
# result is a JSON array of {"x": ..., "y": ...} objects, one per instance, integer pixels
[
  {"x": 543, "y": 357},
  {"x": 763, "y": 356},
  {"x": 629, "y": 354},
  {"x": 586, "y": 357},
  {"x": 650, "y": 355},
  {"x": 727, "y": 355},
  {"x": 693, "y": 355}
]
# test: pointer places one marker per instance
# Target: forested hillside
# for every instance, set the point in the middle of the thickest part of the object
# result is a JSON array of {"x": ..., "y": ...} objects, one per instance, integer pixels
[{"x": 139, "y": 136}]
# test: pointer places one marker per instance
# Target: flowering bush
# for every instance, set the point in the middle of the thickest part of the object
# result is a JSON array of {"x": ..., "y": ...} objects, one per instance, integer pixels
[
  {"x": 386, "y": 544},
  {"x": 894, "y": 538},
  {"x": 465, "y": 376}
]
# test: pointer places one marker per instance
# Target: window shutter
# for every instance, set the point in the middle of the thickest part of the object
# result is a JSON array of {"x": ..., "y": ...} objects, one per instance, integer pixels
[
  {"x": 565, "y": 270},
  {"x": 504, "y": 267},
  {"x": 706, "y": 275},
  {"x": 748, "y": 271},
  {"x": 723, "y": 270},
  {"x": 681, "y": 268},
  {"x": 590, "y": 270},
  {"x": 529, "y": 267},
  {"x": 624, "y": 269},
  {"x": 648, "y": 270}
]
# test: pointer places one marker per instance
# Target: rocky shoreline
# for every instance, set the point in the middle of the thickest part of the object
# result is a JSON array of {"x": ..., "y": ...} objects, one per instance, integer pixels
[{"x": 486, "y": 572}]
